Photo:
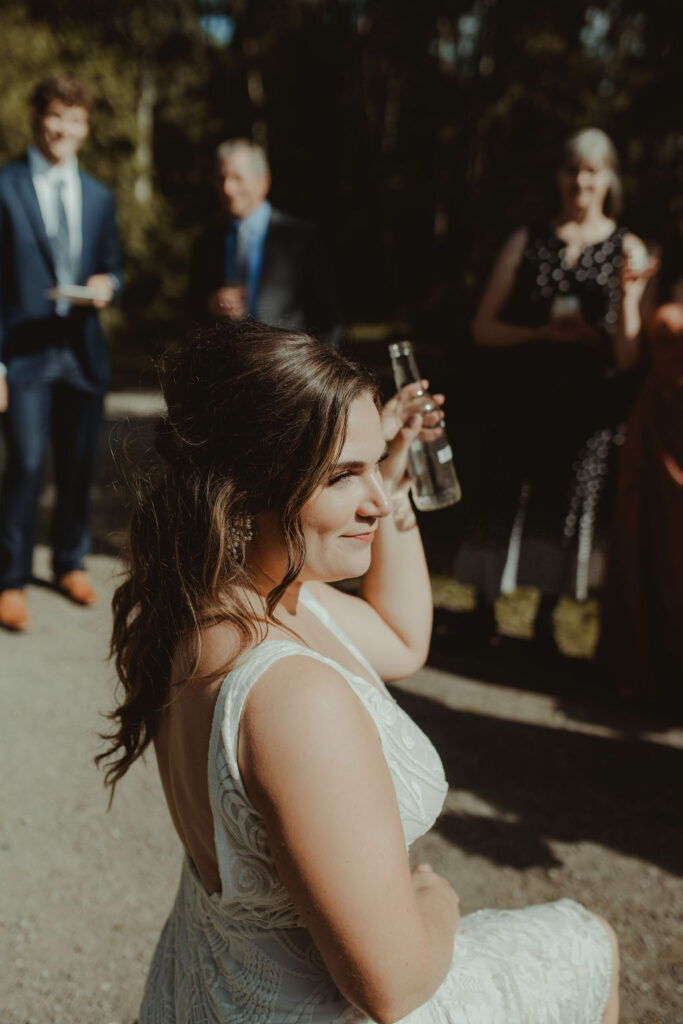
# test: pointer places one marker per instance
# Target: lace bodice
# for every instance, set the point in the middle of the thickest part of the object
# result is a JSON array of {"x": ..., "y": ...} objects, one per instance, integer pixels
[
  {"x": 252, "y": 894},
  {"x": 243, "y": 954}
]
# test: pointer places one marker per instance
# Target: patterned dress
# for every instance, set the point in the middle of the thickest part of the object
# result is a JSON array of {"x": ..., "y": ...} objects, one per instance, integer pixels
[
  {"x": 244, "y": 956},
  {"x": 553, "y": 430}
]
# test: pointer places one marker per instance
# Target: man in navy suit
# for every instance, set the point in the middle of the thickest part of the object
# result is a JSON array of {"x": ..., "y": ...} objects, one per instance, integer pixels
[
  {"x": 258, "y": 261},
  {"x": 57, "y": 230}
]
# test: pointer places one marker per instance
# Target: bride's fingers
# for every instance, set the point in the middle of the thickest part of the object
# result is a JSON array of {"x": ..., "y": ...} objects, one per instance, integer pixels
[
  {"x": 416, "y": 403},
  {"x": 410, "y": 400}
]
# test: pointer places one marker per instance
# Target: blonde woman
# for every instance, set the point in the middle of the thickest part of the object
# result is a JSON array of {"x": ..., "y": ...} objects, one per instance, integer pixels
[{"x": 561, "y": 319}]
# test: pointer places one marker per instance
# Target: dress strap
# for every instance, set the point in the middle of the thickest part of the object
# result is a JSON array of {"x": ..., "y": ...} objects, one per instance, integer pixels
[
  {"x": 233, "y": 694},
  {"x": 319, "y": 610},
  {"x": 226, "y": 786}
]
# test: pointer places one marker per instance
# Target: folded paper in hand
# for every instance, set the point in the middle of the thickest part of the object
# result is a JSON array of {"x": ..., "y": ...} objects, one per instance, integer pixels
[{"x": 77, "y": 294}]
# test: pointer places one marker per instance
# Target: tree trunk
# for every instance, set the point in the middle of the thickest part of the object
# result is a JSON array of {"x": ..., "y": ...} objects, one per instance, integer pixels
[{"x": 145, "y": 117}]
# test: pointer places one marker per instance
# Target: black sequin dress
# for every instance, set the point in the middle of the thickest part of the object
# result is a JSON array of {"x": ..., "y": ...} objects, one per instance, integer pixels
[{"x": 553, "y": 428}]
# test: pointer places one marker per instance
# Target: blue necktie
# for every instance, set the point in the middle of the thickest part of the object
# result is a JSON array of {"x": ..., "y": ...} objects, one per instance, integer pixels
[{"x": 236, "y": 258}]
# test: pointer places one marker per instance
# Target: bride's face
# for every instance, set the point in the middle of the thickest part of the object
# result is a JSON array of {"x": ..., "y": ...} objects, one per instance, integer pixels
[{"x": 340, "y": 520}]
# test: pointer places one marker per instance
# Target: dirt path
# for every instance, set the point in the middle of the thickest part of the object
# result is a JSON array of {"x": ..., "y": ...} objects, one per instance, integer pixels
[{"x": 547, "y": 798}]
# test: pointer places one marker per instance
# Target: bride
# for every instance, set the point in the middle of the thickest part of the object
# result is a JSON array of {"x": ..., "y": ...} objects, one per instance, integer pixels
[{"x": 294, "y": 780}]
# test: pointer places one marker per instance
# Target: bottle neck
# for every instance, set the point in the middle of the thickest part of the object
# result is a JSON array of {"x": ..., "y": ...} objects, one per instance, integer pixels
[
  {"x": 404, "y": 366},
  {"x": 406, "y": 372}
]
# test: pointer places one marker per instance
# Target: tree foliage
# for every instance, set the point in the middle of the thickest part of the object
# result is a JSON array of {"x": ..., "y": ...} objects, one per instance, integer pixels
[{"x": 417, "y": 135}]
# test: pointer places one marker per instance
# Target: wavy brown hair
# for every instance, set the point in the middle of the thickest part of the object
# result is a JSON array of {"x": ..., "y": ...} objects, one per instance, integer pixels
[{"x": 256, "y": 418}]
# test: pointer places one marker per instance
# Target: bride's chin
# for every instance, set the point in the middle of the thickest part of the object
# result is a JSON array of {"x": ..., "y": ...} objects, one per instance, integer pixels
[{"x": 348, "y": 571}]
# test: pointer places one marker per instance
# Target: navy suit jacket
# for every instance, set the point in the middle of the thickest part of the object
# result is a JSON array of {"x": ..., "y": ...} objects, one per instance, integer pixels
[
  {"x": 28, "y": 323},
  {"x": 295, "y": 286}
]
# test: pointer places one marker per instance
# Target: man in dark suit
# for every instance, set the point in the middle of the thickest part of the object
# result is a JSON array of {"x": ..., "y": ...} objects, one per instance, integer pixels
[
  {"x": 57, "y": 230},
  {"x": 258, "y": 261}
]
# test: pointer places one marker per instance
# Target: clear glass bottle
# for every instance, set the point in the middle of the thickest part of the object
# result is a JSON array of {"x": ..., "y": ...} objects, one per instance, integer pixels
[{"x": 430, "y": 463}]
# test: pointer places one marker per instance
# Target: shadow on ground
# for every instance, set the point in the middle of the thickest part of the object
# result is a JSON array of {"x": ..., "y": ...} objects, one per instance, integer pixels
[
  {"x": 552, "y": 784},
  {"x": 584, "y": 691}
]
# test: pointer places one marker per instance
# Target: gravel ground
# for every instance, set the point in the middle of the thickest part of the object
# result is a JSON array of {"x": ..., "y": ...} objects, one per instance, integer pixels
[{"x": 551, "y": 794}]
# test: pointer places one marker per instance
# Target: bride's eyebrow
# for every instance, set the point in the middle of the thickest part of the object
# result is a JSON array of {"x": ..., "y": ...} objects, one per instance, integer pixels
[{"x": 359, "y": 463}]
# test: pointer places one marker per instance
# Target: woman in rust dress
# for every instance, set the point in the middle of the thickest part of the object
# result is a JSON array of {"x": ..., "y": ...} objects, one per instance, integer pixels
[{"x": 643, "y": 598}]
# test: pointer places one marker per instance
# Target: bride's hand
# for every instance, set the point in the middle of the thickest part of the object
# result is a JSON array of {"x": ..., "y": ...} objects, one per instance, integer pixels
[
  {"x": 404, "y": 418},
  {"x": 409, "y": 400},
  {"x": 426, "y": 880}
]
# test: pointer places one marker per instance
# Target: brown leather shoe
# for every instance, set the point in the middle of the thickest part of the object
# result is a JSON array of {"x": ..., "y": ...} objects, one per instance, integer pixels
[
  {"x": 13, "y": 614},
  {"x": 76, "y": 585}
]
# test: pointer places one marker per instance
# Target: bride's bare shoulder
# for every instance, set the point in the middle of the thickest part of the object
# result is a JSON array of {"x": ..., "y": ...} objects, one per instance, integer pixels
[
  {"x": 203, "y": 659},
  {"x": 300, "y": 712}
]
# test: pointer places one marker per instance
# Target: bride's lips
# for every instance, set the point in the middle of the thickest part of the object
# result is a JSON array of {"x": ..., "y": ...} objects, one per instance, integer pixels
[{"x": 364, "y": 538}]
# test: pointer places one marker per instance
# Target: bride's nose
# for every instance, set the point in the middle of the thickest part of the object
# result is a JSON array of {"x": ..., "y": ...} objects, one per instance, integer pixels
[{"x": 377, "y": 501}]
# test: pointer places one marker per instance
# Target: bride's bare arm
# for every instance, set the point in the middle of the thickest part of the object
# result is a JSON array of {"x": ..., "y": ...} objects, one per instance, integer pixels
[{"x": 313, "y": 765}]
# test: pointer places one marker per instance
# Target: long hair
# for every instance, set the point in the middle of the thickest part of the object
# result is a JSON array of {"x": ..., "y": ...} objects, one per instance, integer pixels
[{"x": 256, "y": 418}]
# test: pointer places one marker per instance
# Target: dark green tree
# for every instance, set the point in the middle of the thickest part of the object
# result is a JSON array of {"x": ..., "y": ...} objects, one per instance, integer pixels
[{"x": 416, "y": 135}]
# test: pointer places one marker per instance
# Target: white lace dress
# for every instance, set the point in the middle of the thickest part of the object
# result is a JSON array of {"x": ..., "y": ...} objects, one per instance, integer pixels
[{"x": 244, "y": 956}]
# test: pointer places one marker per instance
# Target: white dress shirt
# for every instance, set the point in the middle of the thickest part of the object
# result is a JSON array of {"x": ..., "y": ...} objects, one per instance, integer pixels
[{"x": 45, "y": 177}]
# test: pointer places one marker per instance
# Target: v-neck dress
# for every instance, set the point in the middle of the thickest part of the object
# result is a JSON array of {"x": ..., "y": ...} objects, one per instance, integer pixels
[{"x": 245, "y": 956}]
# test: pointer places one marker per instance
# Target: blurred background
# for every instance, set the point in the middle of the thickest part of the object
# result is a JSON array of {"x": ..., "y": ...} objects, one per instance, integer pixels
[{"x": 416, "y": 135}]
